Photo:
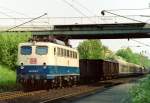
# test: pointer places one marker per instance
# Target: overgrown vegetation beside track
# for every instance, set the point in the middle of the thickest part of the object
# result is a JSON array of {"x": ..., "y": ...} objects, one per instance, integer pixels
[
  {"x": 8, "y": 58},
  {"x": 140, "y": 93},
  {"x": 7, "y": 79},
  {"x": 9, "y": 46}
]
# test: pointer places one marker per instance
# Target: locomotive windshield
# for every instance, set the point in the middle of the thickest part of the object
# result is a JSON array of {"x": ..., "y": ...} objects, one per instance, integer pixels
[
  {"x": 41, "y": 50},
  {"x": 26, "y": 50}
]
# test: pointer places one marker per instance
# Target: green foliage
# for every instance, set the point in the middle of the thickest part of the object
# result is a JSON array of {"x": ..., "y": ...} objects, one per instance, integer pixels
[
  {"x": 8, "y": 79},
  {"x": 91, "y": 49},
  {"x": 125, "y": 53},
  {"x": 7, "y": 76},
  {"x": 141, "y": 92},
  {"x": 9, "y": 47},
  {"x": 132, "y": 57}
]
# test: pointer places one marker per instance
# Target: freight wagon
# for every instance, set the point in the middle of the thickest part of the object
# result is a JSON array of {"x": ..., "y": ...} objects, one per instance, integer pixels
[{"x": 96, "y": 70}]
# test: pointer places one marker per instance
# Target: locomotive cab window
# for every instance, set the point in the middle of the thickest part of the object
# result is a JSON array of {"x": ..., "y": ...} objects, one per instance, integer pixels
[
  {"x": 26, "y": 50},
  {"x": 41, "y": 50}
]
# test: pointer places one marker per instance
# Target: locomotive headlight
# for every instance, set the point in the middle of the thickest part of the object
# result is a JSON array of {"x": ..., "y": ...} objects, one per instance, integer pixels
[
  {"x": 22, "y": 67},
  {"x": 44, "y": 65}
]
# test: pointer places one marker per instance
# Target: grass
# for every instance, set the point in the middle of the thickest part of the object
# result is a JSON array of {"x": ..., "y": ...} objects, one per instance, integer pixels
[
  {"x": 140, "y": 93},
  {"x": 7, "y": 75},
  {"x": 7, "y": 79}
]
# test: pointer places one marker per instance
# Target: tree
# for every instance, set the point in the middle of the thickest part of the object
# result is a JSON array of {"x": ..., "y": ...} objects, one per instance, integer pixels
[
  {"x": 91, "y": 49},
  {"x": 108, "y": 54},
  {"x": 125, "y": 53},
  {"x": 132, "y": 57},
  {"x": 9, "y": 47}
]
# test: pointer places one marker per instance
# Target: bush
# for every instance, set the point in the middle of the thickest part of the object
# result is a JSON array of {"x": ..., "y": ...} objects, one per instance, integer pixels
[
  {"x": 7, "y": 75},
  {"x": 9, "y": 47},
  {"x": 141, "y": 92},
  {"x": 8, "y": 79},
  {"x": 91, "y": 49}
]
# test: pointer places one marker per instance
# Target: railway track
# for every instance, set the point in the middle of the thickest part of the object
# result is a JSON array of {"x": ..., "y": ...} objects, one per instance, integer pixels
[
  {"x": 85, "y": 92},
  {"x": 44, "y": 96},
  {"x": 47, "y": 100},
  {"x": 16, "y": 94}
]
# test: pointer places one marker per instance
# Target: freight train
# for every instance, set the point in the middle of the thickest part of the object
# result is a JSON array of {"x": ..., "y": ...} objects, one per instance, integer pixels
[
  {"x": 51, "y": 65},
  {"x": 96, "y": 70}
]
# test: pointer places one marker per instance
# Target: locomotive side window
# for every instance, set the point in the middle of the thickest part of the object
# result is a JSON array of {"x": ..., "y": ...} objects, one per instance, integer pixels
[
  {"x": 26, "y": 50},
  {"x": 71, "y": 54},
  {"x": 61, "y": 52},
  {"x": 54, "y": 51},
  {"x": 67, "y": 53},
  {"x": 74, "y": 55},
  {"x": 41, "y": 50},
  {"x": 58, "y": 51}
]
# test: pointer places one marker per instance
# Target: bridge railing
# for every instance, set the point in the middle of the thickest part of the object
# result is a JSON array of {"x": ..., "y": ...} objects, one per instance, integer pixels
[{"x": 46, "y": 23}]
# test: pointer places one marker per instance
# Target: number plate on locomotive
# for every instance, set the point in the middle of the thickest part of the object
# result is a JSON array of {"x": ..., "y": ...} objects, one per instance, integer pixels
[{"x": 33, "y": 60}]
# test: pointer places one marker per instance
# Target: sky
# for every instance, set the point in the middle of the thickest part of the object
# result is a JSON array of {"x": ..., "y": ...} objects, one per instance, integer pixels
[{"x": 59, "y": 8}]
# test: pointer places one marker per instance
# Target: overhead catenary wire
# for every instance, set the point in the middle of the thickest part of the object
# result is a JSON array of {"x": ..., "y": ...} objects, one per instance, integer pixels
[
  {"x": 11, "y": 10},
  {"x": 103, "y": 13},
  {"x": 3, "y": 13},
  {"x": 26, "y": 22},
  {"x": 16, "y": 12},
  {"x": 70, "y": 17},
  {"x": 131, "y": 10},
  {"x": 79, "y": 11},
  {"x": 140, "y": 42},
  {"x": 84, "y": 7},
  {"x": 115, "y": 15},
  {"x": 128, "y": 9}
]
